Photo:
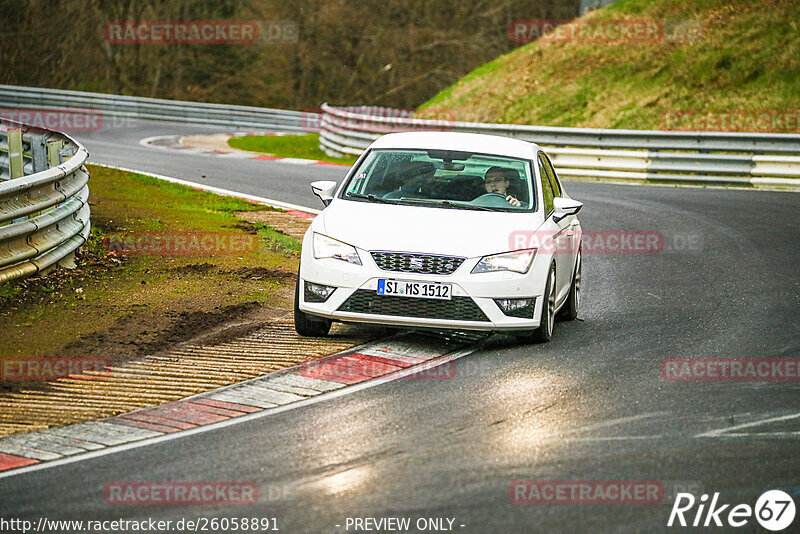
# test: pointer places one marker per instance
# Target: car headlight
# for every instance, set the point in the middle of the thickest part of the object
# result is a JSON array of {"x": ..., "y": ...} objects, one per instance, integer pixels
[
  {"x": 327, "y": 247},
  {"x": 518, "y": 261}
]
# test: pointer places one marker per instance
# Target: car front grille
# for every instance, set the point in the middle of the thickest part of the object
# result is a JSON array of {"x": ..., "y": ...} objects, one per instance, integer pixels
[
  {"x": 416, "y": 263},
  {"x": 456, "y": 309}
]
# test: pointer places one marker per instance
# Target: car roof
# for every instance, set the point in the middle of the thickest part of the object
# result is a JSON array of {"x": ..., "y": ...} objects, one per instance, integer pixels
[{"x": 469, "y": 142}]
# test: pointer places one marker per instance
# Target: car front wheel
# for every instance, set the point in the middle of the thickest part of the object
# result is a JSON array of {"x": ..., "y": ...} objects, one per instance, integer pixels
[
  {"x": 304, "y": 324},
  {"x": 545, "y": 330},
  {"x": 569, "y": 312}
]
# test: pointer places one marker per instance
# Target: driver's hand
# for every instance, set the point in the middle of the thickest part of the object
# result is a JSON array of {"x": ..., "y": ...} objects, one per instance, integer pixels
[{"x": 513, "y": 201}]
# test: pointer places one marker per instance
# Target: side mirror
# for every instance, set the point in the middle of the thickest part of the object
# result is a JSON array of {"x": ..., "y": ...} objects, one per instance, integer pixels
[
  {"x": 565, "y": 206},
  {"x": 324, "y": 190}
]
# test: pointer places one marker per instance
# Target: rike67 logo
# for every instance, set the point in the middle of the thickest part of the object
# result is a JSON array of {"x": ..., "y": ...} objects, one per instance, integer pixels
[{"x": 774, "y": 511}]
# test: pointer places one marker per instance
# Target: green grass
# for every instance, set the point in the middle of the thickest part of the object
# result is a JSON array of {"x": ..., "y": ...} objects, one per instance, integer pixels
[
  {"x": 38, "y": 316},
  {"x": 287, "y": 146},
  {"x": 733, "y": 55}
]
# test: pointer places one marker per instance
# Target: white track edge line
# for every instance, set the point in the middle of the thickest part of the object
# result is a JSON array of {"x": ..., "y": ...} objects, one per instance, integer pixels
[
  {"x": 723, "y": 431},
  {"x": 113, "y": 449}
]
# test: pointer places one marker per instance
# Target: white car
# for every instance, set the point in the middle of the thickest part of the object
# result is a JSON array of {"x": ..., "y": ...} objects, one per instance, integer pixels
[{"x": 444, "y": 231}]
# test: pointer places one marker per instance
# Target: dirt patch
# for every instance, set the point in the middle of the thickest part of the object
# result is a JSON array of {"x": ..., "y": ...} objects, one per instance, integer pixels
[
  {"x": 45, "y": 289},
  {"x": 245, "y": 273},
  {"x": 282, "y": 222},
  {"x": 138, "y": 334},
  {"x": 247, "y": 228},
  {"x": 261, "y": 273},
  {"x": 194, "y": 268}
]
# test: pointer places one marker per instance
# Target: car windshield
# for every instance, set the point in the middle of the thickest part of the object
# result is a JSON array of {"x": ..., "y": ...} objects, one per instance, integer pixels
[{"x": 442, "y": 179}]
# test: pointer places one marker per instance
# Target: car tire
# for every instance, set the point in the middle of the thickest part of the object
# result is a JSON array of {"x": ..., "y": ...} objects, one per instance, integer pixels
[
  {"x": 544, "y": 333},
  {"x": 569, "y": 312},
  {"x": 305, "y": 324}
]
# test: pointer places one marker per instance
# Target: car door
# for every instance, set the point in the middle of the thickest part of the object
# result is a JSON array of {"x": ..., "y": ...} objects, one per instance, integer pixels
[
  {"x": 560, "y": 230},
  {"x": 571, "y": 223}
]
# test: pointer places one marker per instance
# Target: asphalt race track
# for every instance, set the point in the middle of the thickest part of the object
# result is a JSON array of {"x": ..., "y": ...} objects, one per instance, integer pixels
[
  {"x": 589, "y": 405},
  {"x": 278, "y": 181}
]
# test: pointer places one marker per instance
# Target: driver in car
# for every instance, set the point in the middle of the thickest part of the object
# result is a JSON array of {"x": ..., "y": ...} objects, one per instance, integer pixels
[{"x": 497, "y": 179}]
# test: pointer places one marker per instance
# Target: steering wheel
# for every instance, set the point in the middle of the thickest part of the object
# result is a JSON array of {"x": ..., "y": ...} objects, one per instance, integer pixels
[{"x": 491, "y": 200}]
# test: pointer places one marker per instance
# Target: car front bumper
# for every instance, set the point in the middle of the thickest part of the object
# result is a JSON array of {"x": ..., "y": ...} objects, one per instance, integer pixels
[{"x": 472, "y": 306}]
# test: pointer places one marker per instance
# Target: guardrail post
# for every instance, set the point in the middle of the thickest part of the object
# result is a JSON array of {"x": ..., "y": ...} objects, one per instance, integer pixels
[
  {"x": 68, "y": 261},
  {"x": 15, "y": 161},
  {"x": 38, "y": 153},
  {"x": 54, "y": 152}
]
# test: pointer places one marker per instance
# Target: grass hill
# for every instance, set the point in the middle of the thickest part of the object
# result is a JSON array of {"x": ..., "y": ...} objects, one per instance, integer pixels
[{"x": 708, "y": 58}]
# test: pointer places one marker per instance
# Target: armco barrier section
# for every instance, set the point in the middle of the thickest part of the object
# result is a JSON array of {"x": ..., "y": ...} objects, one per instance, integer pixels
[
  {"x": 115, "y": 108},
  {"x": 591, "y": 153},
  {"x": 44, "y": 209}
]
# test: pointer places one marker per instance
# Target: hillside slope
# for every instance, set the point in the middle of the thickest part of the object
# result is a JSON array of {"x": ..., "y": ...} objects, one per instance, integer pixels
[{"x": 712, "y": 65}]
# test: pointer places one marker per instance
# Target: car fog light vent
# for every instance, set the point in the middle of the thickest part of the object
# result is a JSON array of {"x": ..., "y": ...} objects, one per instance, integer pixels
[
  {"x": 317, "y": 292},
  {"x": 517, "y": 307}
]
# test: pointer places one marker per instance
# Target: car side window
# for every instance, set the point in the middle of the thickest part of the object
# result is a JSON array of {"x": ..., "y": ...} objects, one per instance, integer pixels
[
  {"x": 547, "y": 189},
  {"x": 551, "y": 174}
]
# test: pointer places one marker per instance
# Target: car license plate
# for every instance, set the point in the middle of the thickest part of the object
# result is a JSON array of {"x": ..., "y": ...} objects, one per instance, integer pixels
[{"x": 422, "y": 290}]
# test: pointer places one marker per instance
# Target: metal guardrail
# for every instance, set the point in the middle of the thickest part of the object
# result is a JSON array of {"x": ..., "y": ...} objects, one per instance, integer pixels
[
  {"x": 590, "y": 153},
  {"x": 130, "y": 107},
  {"x": 44, "y": 210}
]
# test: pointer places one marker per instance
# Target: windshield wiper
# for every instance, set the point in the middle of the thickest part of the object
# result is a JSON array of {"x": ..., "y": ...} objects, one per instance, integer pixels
[
  {"x": 370, "y": 197},
  {"x": 450, "y": 204},
  {"x": 429, "y": 201},
  {"x": 481, "y": 208}
]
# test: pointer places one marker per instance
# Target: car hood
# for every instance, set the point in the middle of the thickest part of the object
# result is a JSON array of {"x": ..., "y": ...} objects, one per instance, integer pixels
[{"x": 456, "y": 232}]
